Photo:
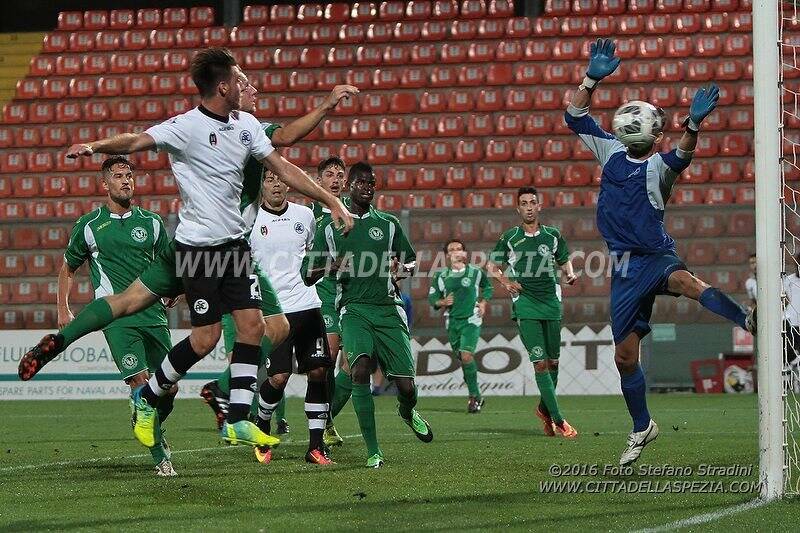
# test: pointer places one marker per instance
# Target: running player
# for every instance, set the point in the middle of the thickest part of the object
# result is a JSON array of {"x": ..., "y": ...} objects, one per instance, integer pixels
[
  {"x": 532, "y": 251},
  {"x": 372, "y": 319},
  {"x": 635, "y": 186},
  {"x": 208, "y": 148},
  {"x": 463, "y": 291},
  {"x": 119, "y": 240},
  {"x": 160, "y": 280},
  {"x": 282, "y": 233},
  {"x": 330, "y": 176}
]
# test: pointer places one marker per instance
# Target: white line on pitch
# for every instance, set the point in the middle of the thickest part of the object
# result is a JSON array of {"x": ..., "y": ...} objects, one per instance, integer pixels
[
  {"x": 705, "y": 518},
  {"x": 136, "y": 456}
]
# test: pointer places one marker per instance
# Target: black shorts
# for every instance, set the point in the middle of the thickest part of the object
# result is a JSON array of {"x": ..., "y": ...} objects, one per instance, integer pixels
[
  {"x": 306, "y": 343},
  {"x": 217, "y": 280}
]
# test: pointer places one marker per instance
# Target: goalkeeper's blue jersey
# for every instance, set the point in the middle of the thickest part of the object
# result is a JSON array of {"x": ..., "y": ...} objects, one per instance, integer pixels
[{"x": 630, "y": 208}]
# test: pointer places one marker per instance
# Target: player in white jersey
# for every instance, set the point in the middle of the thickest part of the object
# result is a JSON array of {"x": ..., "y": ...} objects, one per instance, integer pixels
[
  {"x": 282, "y": 233},
  {"x": 208, "y": 148}
]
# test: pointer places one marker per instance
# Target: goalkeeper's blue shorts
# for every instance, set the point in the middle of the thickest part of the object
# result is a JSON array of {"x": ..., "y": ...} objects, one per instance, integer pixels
[{"x": 634, "y": 285}]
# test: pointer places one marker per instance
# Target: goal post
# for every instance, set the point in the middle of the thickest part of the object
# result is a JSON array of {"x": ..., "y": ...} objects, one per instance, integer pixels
[{"x": 767, "y": 88}]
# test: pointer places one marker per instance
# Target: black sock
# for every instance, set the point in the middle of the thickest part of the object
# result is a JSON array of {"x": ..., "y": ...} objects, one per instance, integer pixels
[
  {"x": 268, "y": 399},
  {"x": 244, "y": 367},
  {"x": 165, "y": 405},
  {"x": 174, "y": 366},
  {"x": 317, "y": 412}
]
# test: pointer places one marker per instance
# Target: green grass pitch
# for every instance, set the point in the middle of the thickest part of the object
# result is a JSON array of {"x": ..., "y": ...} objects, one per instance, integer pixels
[{"x": 74, "y": 465}]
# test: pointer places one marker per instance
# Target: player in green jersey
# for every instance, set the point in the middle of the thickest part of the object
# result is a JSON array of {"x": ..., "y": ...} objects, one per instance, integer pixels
[
  {"x": 330, "y": 176},
  {"x": 371, "y": 316},
  {"x": 532, "y": 252},
  {"x": 119, "y": 240},
  {"x": 159, "y": 279},
  {"x": 462, "y": 290}
]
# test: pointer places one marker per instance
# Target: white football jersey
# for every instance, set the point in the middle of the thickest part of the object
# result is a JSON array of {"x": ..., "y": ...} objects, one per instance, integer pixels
[
  {"x": 207, "y": 155},
  {"x": 279, "y": 242}
]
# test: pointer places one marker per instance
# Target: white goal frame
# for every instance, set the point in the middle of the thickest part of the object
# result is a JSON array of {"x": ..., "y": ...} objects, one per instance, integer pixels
[{"x": 767, "y": 83}]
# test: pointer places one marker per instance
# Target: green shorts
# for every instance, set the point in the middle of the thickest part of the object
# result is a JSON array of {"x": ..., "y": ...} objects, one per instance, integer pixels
[
  {"x": 380, "y": 331},
  {"x": 138, "y": 348},
  {"x": 159, "y": 277},
  {"x": 331, "y": 318},
  {"x": 269, "y": 306},
  {"x": 542, "y": 338},
  {"x": 463, "y": 335}
]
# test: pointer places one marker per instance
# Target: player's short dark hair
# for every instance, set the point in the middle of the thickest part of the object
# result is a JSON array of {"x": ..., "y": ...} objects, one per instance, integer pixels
[
  {"x": 210, "y": 67},
  {"x": 752, "y": 255},
  {"x": 361, "y": 169},
  {"x": 116, "y": 160},
  {"x": 451, "y": 241},
  {"x": 331, "y": 161},
  {"x": 527, "y": 190}
]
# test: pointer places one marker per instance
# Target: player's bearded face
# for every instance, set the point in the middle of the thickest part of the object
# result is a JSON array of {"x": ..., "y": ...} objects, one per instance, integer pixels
[
  {"x": 119, "y": 183},
  {"x": 331, "y": 179},
  {"x": 234, "y": 88},
  {"x": 247, "y": 98},
  {"x": 529, "y": 208}
]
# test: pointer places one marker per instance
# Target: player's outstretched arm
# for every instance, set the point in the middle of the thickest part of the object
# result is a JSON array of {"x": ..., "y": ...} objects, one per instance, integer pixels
[
  {"x": 602, "y": 63},
  {"x": 122, "y": 144},
  {"x": 298, "y": 180},
  {"x": 65, "y": 278},
  {"x": 298, "y": 129}
]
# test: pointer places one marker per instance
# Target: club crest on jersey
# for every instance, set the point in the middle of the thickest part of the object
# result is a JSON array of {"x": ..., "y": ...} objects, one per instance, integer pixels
[
  {"x": 299, "y": 228},
  {"x": 328, "y": 321},
  {"x": 264, "y": 231},
  {"x": 212, "y": 139},
  {"x": 245, "y": 138},
  {"x": 139, "y": 234},
  {"x": 544, "y": 249},
  {"x": 537, "y": 351},
  {"x": 376, "y": 233},
  {"x": 465, "y": 282},
  {"x": 129, "y": 361}
]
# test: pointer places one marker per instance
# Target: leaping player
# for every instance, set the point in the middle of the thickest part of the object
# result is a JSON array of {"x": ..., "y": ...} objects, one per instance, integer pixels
[{"x": 635, "y": 186}]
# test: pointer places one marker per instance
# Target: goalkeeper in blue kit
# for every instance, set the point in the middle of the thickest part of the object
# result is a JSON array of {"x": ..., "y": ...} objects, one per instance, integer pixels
[{"x": 635, "y": 185}]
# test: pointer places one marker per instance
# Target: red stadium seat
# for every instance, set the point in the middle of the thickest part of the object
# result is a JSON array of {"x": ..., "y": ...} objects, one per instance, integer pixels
[
  {"x": 696, "y": 6},
  {"x": 375, "y": 104},
  {"x": 217, "y": 36},
  {"x": 490, "y": 29},
  {"x": 380, "y": 153},
  {"x": 450, "y": 126},
  {"x": 603, "y": 25},
  {"x": 566, "y": 50},
  {"x": 668, "y": 6},
  {"x": 430, "y": 178},
  {"x": 505, "y": 200},
  {"x": 719, "y": 195},
  {"x": 479, "y": 200},
  {"x": 527, "y": 150},
  {"x": 109, "y": 86},
  {"x": 12, "y": 210},
  {"x": 256, "y": 15},
  {"x": 700, "y": 71},
  {"x": 557, "y": 7},
  {"x": 55, "y": 88},
  {"x": 444, "y": 9},
  {"x": 122, "y": 63},
  {"x": 741, "y": 119},
  {"x": 741, "y": 22},
  {"x": 744, "y": 95},
  {"x": 584, "y": 7},
  {"x": 433, "y": 102},
  {"x": 577, "y": 176},
  {"x": 42, "y": 66},
  {"x": 82, "y": 41},
  {"x": 94, "y": 64},
  {"x": 107, "y": 41},
  {"x": 716, "y": 22},
  {"x": 137, "y": 85},
  {"x": 335, "y": 129},
  {"x": 149, "y": 62},
  {"x": 70, "y": 20},
  {"x": 418, "y": 10},
  {"x": 518, "y": 100},
  {"x": 737, "y": 45},
  {"x": 134, "y": 40},
  {"x": 390, "y": 202},
  {"x": 297, "y": 35},
  {"x": 27, "y": 187},
  {"x": 18, "y": 113},
  {"x": 340, "y": 57},
  {"x": 12, "y": 162},
  {"x": 67, "y": 66},
  {"x": 31, "y": 88},
  {"x": 538, "y": 124},
  {"x": 174, "y": 17},
  {"x": 537, "y": 50},
  {"x": 725, "y": 171},
  {"x": 83, "y": 134},
  {"x": 574, "y": 26},
  {"x": 479, "y": 125},
  {"x": 281, "y": 14},
  {"x": 745, "y": 195},
  {"x": 686, "y": 23},
  {"x": 148, "y": 18},
  {"x": 510, "y": 124},
  {"x": 407, "y": 31},
  {"x": 301, "y": 81},
  {"x": 463, "y": 30},
  {"x": 269, "y": 35},
  {"x": 469, "y": 151},
  {"x": 41, "y": 210},
  {"x": 23, "y": 292},
  {"x": 286, "y": 58},
  {"x": 413, "y": 77},
  {"x": 473, "y": 9},
  {"x": 443, "y": 77},
  {"x": 40, "y": 265},
  {"x": 42, "y": 112},
  {"x": 380, "y": 32},
  {"x": 403, "y": 103},
  {"x": 547, "y": 176},
  {"x": 395, "y": 55},
  {"x": 556, "y": 150},
  {"x": 516, "y": 177},
  {"x": 557, "y": 73},
  {"x": 400, "y": 179},
  {"x": 612, "y": 7},
  {"x": 27, "y": 137},
  {"x": 731, "y": 252},
  {"x": 164, "y": 39},
  {"x": 350, "y": 33},
  {"x": 547, "y": 99},
  {"x": 121, "y": 19},
  {"x": 311, "y": 13},
  {"x": 453, "y": 53},
  {"x": 410, "y": 154},
  {"x": 489, "y": 177},
  {"x": 391, "y": 10},
  {"x": 458, "y": 178},
  {"x": 698, "y": 172},
  {"x": 481, "y": 52},
  {"x": 708, "y": 46},
  {"x": 734, "y": 144},
  {"x": 55, "y": 43},
  {"x": 741, "y": 224},
  {"x": 54, "y": 237},
  {"x": 498, "y": 150},
  {"x": 651, "y": 47},
  {"x": 659, "y": 24},
  {"x": 96, "y": 111},
  {"x": 631, "y": 25}
]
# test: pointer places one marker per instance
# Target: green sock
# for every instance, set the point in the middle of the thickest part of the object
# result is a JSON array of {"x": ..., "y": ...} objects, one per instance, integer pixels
[
  {"x": 266, "y": 349},
  {"x": 342, "y": 392},
  {"x": 157, "y": 452},
  {"x": 280, "y": 411},
  {"x": 94, "y": 317},
  {"x": 224, "y": 380},
  {"x": 364, "y": 405},
  {"x": 471, "y": 378},
  {"x": 548, "y": 395},
  {"x": 407, "y": 404}
]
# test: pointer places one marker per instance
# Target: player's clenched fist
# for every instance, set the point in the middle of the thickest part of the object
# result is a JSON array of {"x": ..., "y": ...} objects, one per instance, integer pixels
[
  {"x": 338, "y": 93},
  {"x": 77, "y": 150}
]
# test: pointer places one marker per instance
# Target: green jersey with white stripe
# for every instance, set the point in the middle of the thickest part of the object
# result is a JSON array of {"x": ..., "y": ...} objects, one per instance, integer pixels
[
  {"x": 366, "y": 252},
  {"x": 119, "y": 248},
  {"x": 468, "y": 286},
  {"x": 532, "y": 261},
  {"x": 326, "y": 286}
]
